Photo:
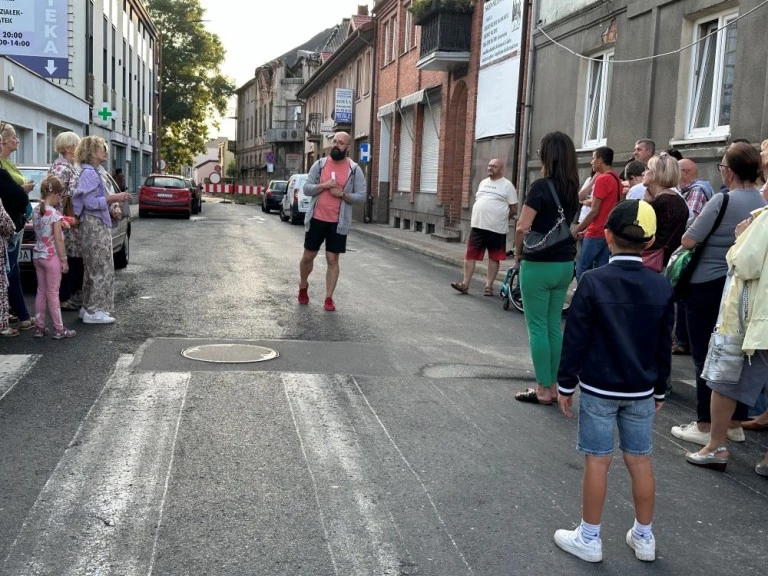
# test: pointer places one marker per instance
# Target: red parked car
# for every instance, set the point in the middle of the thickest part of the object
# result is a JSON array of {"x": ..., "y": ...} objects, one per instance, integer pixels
[{"x": 165, "y": 193}]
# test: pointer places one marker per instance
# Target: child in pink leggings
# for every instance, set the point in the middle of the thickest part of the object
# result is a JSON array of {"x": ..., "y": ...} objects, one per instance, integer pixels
[{"x": 49, "y": 257}]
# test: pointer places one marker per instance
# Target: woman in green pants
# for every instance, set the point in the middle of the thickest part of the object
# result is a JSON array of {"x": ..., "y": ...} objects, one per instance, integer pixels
[{"x": 546, "y": 275}]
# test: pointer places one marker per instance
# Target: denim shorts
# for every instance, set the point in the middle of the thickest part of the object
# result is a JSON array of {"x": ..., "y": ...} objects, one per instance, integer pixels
[{"x": 598, "y": 418}]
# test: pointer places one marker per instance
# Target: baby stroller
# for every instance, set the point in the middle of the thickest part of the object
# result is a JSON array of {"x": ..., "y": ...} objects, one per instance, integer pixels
[{"x": 510, "y": 290}]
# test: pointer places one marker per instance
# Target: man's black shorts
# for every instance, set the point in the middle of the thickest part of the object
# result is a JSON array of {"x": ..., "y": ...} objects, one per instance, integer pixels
[{"x": 320, "y": 231}]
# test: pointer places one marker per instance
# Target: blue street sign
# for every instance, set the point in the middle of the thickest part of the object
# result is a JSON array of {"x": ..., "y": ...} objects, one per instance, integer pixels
[
  {"x": 46, "y": 67},
  {"x": 365, "y": 155}
]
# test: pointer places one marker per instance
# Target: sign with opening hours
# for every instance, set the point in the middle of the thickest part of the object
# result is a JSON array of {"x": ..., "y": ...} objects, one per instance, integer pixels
[{"x": 34, "y": 28}]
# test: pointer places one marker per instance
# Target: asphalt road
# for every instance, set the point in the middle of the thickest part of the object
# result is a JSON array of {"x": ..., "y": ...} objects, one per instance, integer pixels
[{"x": 384, "y": 439}]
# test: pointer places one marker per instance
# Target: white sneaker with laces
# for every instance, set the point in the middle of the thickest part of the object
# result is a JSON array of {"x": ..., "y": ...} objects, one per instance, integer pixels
[
  {"x": 691, "y": 433},
  {"x": 571, "y": 542},
  {"x": 97, "y": 317},
  {"x": 645, "y": 549}
]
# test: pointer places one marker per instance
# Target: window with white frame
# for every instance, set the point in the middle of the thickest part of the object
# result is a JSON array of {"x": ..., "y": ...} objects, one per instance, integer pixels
[
  {"x": 599, "y": 72},
  {"x": 407, "y": 29},
  {"x": 385, "y": 52},
  {"x": 711, "y": 81},
  {"x": 394, "y": 40}
]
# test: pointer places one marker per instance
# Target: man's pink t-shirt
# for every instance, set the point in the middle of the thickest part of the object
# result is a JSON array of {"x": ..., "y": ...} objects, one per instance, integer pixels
[
  {"x": 328, "y": 206},
  {"x": 608, "y": 188}
]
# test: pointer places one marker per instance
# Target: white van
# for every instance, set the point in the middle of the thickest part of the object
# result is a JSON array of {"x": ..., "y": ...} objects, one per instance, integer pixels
[{"x": 295, "y": 204}]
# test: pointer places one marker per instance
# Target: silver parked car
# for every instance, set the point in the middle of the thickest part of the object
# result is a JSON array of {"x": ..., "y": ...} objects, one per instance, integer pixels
[{"x": 294, "y": 204}]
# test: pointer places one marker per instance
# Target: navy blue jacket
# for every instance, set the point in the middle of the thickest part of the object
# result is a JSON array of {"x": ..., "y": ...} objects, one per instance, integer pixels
[{"x": 618, "y": 336}]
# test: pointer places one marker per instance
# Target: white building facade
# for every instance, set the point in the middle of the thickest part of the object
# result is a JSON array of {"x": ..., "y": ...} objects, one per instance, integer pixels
[{"x": 110, "y": 88}]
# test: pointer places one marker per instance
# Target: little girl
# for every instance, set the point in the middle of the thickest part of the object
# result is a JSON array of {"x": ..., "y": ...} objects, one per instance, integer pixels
[{"x": 49, "y": 257}]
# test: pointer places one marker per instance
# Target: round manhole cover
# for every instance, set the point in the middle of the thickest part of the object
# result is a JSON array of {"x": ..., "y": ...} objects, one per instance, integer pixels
[{"x": 229, "y": 353}]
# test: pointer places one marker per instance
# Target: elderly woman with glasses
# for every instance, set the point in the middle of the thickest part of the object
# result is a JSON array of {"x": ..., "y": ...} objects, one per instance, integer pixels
[
  {"x": 18, "y": 211},
  {"x": 740, "y": 168},
  {"x": 91, "y": 205}
]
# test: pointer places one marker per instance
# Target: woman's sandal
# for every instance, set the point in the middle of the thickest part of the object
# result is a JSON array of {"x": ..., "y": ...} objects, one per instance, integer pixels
[
  {"x": 709, "y": 459},
  {"x": 762, "y": 469},
  {"x": 40, "y": 332},
  {"x": 754, "y": 425},
  {"x": 487, "y": 291},
  {"x": 9, "y": 332},
  {"x": 25, "y": 324},
  {"x": 680, "y": 350},
  {"x": 460, "y": 287},
  {"x": 530, "y": 397}
]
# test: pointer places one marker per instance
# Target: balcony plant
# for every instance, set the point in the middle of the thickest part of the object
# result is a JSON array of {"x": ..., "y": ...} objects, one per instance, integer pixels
[{"x": 421, "y": 9}]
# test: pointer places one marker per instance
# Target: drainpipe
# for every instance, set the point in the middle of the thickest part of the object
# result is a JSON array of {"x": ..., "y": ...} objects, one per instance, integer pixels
[
  {"x": 522, "y": 76},
  {"x": 368, "y": 213},
  {"x": 526, "y": 136}
]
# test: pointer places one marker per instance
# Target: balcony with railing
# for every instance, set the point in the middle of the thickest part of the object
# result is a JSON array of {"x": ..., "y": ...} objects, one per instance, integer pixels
[
  {"x": 313, "y": 127},
  {"x": 446, "y": 37},
  {"x": 286, "y": 131}
]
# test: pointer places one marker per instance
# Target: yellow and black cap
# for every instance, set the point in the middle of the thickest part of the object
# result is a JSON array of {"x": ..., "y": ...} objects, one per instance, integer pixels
[{"x": 632, "y": 220}]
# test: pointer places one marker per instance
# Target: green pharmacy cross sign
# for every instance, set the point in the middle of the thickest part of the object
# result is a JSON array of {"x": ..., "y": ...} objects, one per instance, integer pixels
[{"x": 105, "y": 113}]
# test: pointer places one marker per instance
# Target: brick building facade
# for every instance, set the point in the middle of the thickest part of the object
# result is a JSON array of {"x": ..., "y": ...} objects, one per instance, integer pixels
[{"x": 423, "y": 130}]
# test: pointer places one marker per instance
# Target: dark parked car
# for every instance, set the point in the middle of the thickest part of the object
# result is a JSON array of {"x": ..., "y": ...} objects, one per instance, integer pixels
[
  {"x": 165, "y": 193},
  {"x": 273, "y": 195},
  {"x": 121, "y": 229},
  {"x": 197, "y": 196}
]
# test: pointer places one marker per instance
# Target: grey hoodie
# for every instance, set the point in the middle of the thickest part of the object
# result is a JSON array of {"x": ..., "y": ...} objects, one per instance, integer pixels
[{"x": 355, "y": 187}]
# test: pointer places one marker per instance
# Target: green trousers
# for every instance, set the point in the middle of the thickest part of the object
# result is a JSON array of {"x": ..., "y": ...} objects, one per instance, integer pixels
[{"x": 544, "y": 286}]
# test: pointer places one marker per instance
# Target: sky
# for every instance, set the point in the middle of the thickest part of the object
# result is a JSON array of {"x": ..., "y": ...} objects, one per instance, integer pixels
[{"x": 254, "y": 32}]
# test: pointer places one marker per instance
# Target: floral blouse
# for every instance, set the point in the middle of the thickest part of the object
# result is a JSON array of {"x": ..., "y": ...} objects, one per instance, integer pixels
[{"x": 44, "y": 247}]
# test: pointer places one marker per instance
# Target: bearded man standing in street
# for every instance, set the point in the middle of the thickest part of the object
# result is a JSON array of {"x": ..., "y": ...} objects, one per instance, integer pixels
[
  {"x": 495, "y": 203},
  {"x": 333, "y": 184}
]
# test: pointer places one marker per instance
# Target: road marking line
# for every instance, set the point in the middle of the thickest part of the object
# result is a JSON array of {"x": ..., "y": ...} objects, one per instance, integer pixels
[
  {"x": 343, "y": 491},
  {"x": 101, "y": 508},
  {"x": 13, "y": 367},
  {"x": 415, "y": 475}
]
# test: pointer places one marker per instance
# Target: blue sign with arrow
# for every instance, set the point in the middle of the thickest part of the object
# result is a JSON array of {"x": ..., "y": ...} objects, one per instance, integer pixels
[{"x": 46, "y": 67}]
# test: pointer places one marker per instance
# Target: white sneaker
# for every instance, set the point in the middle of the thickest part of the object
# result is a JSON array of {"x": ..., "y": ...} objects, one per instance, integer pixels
[
  {"x": 97, "y": 317},
  {"x": 691, "y": 433},
  {"x": 645, "y": 550},
  {"x": 571, "y": 542}
]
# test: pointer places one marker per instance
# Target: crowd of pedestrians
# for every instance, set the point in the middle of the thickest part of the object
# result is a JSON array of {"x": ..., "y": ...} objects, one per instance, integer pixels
[
  {"x": 72, "y": 223},
  {"x": 625, "y": 320}
]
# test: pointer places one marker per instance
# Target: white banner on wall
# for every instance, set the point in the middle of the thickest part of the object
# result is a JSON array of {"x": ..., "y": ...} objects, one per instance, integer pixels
[{"x": 499, "y": 68}]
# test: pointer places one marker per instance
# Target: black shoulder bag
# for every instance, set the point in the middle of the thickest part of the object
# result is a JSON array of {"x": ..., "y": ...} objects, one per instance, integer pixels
[{"x": 535, "y": 242}]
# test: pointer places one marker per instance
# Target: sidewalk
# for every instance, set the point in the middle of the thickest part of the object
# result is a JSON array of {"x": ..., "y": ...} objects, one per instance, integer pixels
[{"x": 453, "y": 253}]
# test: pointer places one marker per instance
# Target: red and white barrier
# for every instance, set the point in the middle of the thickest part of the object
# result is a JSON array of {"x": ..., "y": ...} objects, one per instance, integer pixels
[{"x": 233, "y": 189}]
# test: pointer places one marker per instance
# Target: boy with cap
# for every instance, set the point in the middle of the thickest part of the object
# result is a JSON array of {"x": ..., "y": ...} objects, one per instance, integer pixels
[{"x": 617, "y": 350}]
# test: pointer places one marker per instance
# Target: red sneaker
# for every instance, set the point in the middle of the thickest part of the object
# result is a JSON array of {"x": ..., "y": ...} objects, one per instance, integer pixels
[
  {"x": 329, "y": 306},
  {"x": 303, "y": 296}
]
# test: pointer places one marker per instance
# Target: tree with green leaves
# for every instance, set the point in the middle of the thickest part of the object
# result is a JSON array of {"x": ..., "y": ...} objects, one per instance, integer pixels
[{"x": 191, "y": 84}]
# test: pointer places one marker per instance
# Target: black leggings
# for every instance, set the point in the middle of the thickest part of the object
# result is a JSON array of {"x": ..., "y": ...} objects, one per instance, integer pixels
[
  {"x": 72, "y": 281},
  {"x": 702, "y": 306}
]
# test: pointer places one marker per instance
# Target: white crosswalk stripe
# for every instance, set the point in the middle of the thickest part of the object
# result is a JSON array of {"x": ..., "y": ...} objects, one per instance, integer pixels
[
  {"x": 100, "y": 510},
  {"x": 13, "y": 367}
]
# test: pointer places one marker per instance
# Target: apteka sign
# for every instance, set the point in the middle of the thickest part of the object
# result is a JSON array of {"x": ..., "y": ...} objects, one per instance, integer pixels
[{"x": 33, "y": 28}]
